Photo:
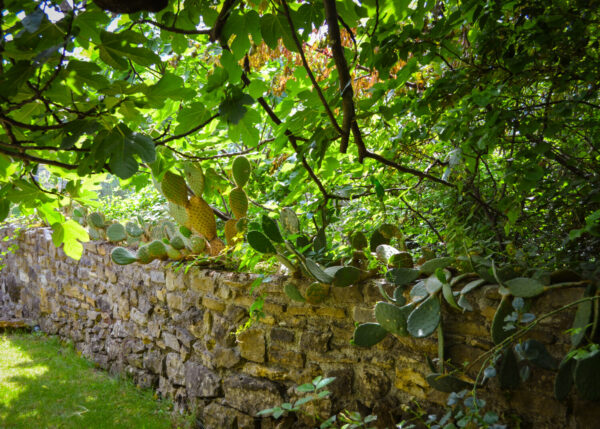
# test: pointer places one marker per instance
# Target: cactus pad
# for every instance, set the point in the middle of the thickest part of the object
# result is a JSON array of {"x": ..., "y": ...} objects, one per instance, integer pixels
[
  {"x": 402, "y": 276},
  {"x": 359, "y": 240},
  {"x": 196, "y": 244},
  {"x": 179, "y": 214},
  {"x": 368, "y": 334},
  {"x": 194, "y": 177},
  {"x": 401, "y": 260},
  {"x": 289, "y": 220},
  {"x": 122, "y": 256},
  {"x": 133, "y": 229},
  {"x": 241, "y": 225},
  {"x": 174, "y": 188},
  {"x": 293, "y": 293},
  {"x": 271, "y": 230},
  {"x": 157, "y": 249},
  {"x": 173, "y": 253},
  {"x": 216, "y": 247},
  {"x": 316, "y": 293},
  {"x": 430, "y": 266},
  {"x": 143, "y": 255},
  {"x": 231, "y": 232},
  {"x": 346, "y": 276},
  {"x": 259, "y": 242},
  {"x": 498, "y": 332},
  {"x": 202, "y": 218},
  {"x": 238, "y": 201},
  {"x": 317, "y": 272},
  {"x": 392, "y": 318},
  {"x": 116, "y": 232},
  {"x": 96, "y": 219},
  {"x": 424, "y": 319},
  {"x": 240, "y": 168}
]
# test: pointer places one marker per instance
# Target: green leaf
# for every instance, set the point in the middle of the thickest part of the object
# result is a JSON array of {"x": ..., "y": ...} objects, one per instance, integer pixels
[
  {"x": 169, "y": 86},
  {"x": 271, "y": 229},
  {"x": 317, "y": 272},
  {"x": 402, "y": 276},
  {"x": 430, "y": 266},
  {"x": 293, "y": 293},
  {"x": 524, "y": 287},
  {"x": 259, "y": 242},
  {"x": 275, "y": 27}
]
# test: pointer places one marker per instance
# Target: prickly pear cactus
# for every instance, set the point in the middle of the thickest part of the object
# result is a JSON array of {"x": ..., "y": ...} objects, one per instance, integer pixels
[
  {"x": 116, "y": 233},
  {"x": 238, "y": 201},
  {"x": 241, "y": 169},
  {"x": 174, "y": 188},
  {"x": 202, "y": 218},
  {"x": 194, "y": 177}
]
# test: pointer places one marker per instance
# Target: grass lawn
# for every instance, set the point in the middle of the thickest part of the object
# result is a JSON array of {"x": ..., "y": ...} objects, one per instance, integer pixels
[{"x": 45, "y": 384}]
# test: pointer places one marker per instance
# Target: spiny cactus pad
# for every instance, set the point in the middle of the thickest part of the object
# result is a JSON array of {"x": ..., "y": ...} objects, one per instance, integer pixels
[
  {"x": 271, "y": 230},
  {"x": 202, "y": 218},
  {"x": 429, "y": 267},
  {"x": 97, "y": 220},
  {"x": 216, "y": 246},
  {"x": 240, "y": 168},
  {"x": 133, "y": 229},
  {"x": 316, "y": 293},
  {"x": 392, "y": 318},
  {"x": 423, "y": 320},
  {"x": 174, "y": 188},
  {"x": 173, "y": 253},
  {"x": 179, "y": 214},
  {"x": 402, "y": 276},
  {"x": 498, "y": 332},
  {"x": 401, "y": 260},
  {"x": 293, "y": 293},
  {"x": 116, "y": 232},
  {"x": 143, "y": 255},
  {"x": 368, "y": 334},
  {"x": 346, "y": 276},
  {"x": 194, "y": 177},
  {"x": 122, "y": 256},
  {"x": 231, "y": 232},
  {"x": 157, "y": 249},
  {"x": 241, "y": 225},
  {"x": 289, "y": 220},
  {"x": 525, "y": 287},
  {"x": 259, "y": 242},
  {"x": 317, "y": 272},
  {"x": 359, "y": 240},
  {"x": 238, "y": 201},
  {"x": 196, "y": 244}
]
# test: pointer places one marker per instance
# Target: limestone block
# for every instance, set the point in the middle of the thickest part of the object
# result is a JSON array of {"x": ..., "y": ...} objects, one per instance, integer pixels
[
  {"x": 175, "y": 302},
  {"x": 153, "y": 361},
  {"x": 282, "y": 335},
  {"x": 225, "y": 357},
  {"x": 285, "y": 358},
  {"x": 213, "y": 304},
  {"x": 200, "y": 381},
  {"x": 249, "y": 394},
  {"x": 138, "y": 317},
  {"x": 174, "y": 369},
  {"x": 252, "y": 345},
  {"x": 170, "y": 341},
  {"x": 201, "y": 283},
  {"x": 372, "y": 383},
  {"x": 316, "y": 341}
]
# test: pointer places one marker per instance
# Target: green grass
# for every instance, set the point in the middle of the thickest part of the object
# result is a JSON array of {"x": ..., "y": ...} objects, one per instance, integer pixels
[{"x": 45, "y": 384}]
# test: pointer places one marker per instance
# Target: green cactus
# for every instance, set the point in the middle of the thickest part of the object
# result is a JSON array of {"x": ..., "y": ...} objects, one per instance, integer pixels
[
  {"x": 368, "y": 334},
  {"x": 271, "y": 230},
  {"x": 259, "y": 242},
  {"x": 178, "y": 242},
  {"x": 430, "y": 266},
  {"x": 133, "y": 229},
  {"x": 316, "y": 293},
  {"x": 97, "y": 220},
  {"x": 238, "y": 201},
  {"x": 173, "y": 253},
  {"x": 96, "y": 234},
  {"x": 174, "y": 189},
  {"x": 241, "y": 225},
  {"x": 317, "y": 272},
  {"x": 393, "y": 318},
  {"x": 179, "y": 214},
  {"x": 122, "y": 256},
  {"x": 289, "y": 221},
  {"x": 402, "y": 276},
  {"x": 143, "y": 254},
  {"x": 424, "y": 319},
  {"x": 196, "y": 244},
  {"x": 241, "y": 169},
  {"x": 157, "y": 249},
  {"x": 116, "y": 233},
  {"x": 498, "y": 332},
  {"x": 390, "y": 231},
  {"x": 194, "y": 177},
  {"x": 377, "y": 238},
  {"x": 344, "y": 276},
  {"x": 293, "y": 293},
  {"x": 359, "y": 240},
  {"x": 401, "y": 260}
]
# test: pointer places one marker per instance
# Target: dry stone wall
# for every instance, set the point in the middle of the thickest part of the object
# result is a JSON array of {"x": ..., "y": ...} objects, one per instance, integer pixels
[{"x": 174, "y": 330}]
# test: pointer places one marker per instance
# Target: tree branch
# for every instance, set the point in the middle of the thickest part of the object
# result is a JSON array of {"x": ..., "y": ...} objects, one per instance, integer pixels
[
  {"x": 349, "y": 121},
  {"x": 174, "y": 29}
]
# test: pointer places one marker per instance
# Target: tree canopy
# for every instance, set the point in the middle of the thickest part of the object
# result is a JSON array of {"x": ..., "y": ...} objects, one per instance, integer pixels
[{"x": 468, "y": 123}]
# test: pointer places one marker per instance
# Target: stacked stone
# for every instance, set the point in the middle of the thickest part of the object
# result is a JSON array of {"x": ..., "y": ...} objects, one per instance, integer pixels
[{"x": 176, "y": 332}]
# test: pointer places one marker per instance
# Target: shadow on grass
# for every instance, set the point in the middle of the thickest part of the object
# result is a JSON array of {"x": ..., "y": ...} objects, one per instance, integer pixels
[{"x": 46, "y": 385}]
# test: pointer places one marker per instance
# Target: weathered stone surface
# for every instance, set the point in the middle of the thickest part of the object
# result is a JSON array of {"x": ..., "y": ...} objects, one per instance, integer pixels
[
  {"x": 285, "y": 358},
  {"x": 282, "y": 335},
  {"x": 249, "y": 394},
  {"x": 373, "y": 383},
  {"x": 171, "y": 341},
  {"x": 200, "y": 381},
  {"x": 174, "y": 369},
  {"x": 252, "y": 345},
  {"x": 315, "y": 341}
]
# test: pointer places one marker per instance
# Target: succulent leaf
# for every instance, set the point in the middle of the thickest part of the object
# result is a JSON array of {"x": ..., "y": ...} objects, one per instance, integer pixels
[
  {"x": 289, "y": 220},
  {"x": 424, "y": 319},
  {"x": 368, "y": 334},
  {"x": 240, "y": 169},
  {"x": 259, "y": 242},
  {"x": 271, "y": 230},
  {"x": 122, "y": 256},
  {"x": 174, "y": 188}
]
